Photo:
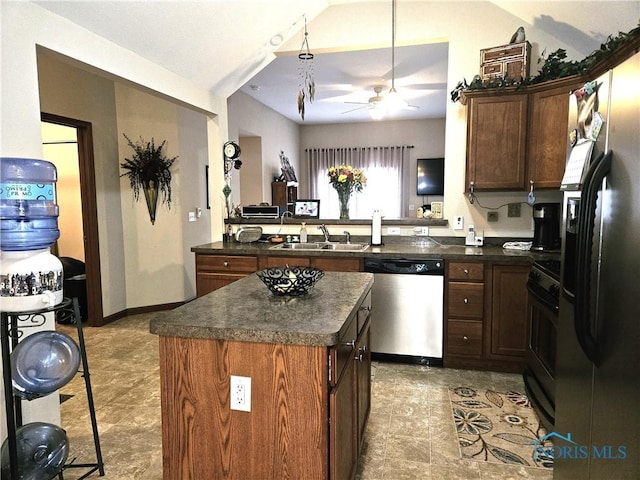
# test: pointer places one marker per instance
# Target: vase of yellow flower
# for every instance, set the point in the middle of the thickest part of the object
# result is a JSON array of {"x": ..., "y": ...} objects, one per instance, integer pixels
[{"x": 346, "y": 179}]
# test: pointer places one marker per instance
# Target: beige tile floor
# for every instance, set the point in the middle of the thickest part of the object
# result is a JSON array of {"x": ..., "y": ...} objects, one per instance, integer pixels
[{"x": 410, "y": 434}]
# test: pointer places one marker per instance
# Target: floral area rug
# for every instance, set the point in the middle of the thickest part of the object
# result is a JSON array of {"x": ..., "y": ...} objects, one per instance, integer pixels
[{"x": 497, "y": 427}]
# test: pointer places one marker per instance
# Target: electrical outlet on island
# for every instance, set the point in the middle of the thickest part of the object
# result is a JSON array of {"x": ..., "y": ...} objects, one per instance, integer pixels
[{"x": 240, "y": 393}]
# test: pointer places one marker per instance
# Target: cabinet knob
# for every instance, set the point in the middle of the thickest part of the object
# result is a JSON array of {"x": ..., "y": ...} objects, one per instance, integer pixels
[
  {"x": 226, "y": 264},
  {"x": 466, "y": 300},
  {"x": 466, "y": 271},
  {"x": 352, "y": 343},
  {"x": 465, "y": 338},
  {"x": 359, "y": 357}
]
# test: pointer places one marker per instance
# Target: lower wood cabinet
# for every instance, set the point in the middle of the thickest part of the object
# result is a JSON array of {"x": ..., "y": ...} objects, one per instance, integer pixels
[
  {"x": 309, "y": 407},
  {"x": 350, "y": 403},
  {"x": 486, "y": 316},
  {"x": 509, "y": 320},
  {"x": 215, "y": 271}
]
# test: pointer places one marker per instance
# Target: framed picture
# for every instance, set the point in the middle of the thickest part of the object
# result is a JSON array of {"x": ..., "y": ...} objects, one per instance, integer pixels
[{"x": 305, "y": 208}]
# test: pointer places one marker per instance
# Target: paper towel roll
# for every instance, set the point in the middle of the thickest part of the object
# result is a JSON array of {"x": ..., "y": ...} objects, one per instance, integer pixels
[{"x": 376, "y": 228}]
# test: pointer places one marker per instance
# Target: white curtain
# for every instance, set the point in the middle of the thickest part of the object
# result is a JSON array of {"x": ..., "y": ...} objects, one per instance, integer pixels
[{"x": 383, "y": 168}]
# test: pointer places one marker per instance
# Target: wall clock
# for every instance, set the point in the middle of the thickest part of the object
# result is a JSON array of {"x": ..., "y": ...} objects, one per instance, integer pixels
[{"x": 231, "y": 150}]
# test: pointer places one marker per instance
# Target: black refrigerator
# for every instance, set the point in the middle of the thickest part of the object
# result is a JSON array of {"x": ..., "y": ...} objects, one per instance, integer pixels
[{"x": 598, "y": 349}]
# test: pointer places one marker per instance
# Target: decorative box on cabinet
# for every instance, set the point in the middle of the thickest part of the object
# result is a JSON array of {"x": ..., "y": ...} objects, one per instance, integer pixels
[{"x": 511, "y": 61}]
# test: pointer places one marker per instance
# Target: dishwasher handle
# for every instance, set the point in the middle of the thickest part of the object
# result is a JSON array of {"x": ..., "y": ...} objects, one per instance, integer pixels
[{"x": 428, "y": 266}]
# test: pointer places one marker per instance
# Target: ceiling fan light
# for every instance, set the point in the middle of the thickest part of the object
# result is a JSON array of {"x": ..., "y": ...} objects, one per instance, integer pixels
[
  {"x": 377, "y": 113},
  {"x": 393, "y": 100}
]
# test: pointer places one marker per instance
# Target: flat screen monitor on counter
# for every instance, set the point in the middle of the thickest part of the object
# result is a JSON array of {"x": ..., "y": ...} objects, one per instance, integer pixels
[{"x": 430, "y": 176}]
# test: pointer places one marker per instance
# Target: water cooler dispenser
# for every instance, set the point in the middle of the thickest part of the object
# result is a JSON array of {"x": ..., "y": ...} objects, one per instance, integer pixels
[{"x": 36, "y": 359}]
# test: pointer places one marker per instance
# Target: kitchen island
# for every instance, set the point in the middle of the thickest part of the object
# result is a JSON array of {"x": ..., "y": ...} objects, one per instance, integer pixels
[{"x": 309, "y": 367}]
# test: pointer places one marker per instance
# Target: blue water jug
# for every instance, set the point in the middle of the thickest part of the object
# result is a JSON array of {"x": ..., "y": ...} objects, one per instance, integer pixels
[{"x": 28, "y": 209}]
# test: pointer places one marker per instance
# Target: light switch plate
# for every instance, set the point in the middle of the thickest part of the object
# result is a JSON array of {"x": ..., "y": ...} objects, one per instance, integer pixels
[{"x": 458, "y": 222}]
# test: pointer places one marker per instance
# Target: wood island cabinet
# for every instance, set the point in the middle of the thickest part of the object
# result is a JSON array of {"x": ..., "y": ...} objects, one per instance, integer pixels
[
  {"x": 350, "y": 397},
  {"x": 486, "y": 316},
  {"x": 518, "y": 136},
  {"x": 309, "y": 406}
]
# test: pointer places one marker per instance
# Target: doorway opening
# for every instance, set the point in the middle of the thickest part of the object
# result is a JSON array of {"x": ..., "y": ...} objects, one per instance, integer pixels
[{"x": 68, "y": 144}]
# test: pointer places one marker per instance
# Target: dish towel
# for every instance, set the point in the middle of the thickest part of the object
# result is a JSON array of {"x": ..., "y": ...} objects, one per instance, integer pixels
[{"x": 517, "y": 245}]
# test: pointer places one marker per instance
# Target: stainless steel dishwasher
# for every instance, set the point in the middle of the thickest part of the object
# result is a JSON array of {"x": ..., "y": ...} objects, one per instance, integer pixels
[{"x": 407, "y": 309}]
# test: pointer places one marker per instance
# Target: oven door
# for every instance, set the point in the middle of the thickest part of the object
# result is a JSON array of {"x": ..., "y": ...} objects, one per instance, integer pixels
[{"x": 539, "y": 377}]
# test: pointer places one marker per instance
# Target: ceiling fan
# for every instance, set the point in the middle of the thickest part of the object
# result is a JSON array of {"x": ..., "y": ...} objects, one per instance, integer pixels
[
  {"x": 374, "y": 102},
  {"x": 379, "y": 105}
]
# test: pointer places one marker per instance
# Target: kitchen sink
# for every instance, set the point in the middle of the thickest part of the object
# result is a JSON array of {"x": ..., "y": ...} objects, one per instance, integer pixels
[{"x": 322, "y": 246}]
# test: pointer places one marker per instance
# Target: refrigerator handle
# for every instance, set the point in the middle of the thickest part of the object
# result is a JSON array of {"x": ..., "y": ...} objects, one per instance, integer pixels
[{"x": 588, "y": 201}]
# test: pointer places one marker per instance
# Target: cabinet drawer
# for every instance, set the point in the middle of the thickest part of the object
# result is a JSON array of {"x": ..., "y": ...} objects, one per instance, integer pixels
[
  {"x": 467, "y": 272},
  {"x": 343, "y": 351},
  {"x": 290, "y": 261},
  {"x": 465, "y": 300},
  {"x": 364, "y": 311},
  {"x": 464, "y": 337},
  {"x": 229, "y": 263},
  {"x": 337, "y": 264}
]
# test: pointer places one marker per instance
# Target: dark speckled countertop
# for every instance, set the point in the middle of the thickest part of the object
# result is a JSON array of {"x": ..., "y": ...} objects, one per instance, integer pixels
[
  {"x": 246, "y": 311},
  {"x": 414, "y": 248}
]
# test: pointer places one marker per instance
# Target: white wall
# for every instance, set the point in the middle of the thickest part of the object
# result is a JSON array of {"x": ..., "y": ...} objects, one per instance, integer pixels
[
  {"x": 250, "y": 118},
  {"x": 250, "y": 173},
  {"x": 75, "y": 93},
  {"x": 427, "y": 137},
  {"x": 25, "y": 28}
]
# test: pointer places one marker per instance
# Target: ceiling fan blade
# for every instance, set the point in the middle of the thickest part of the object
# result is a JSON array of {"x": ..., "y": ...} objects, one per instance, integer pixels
[{"x": 354, "y": 109}]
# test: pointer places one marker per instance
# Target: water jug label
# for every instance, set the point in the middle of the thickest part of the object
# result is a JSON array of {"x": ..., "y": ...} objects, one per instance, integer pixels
[
  {"x": 31, "y": 283},
  {"x": 27, "y": 191}
]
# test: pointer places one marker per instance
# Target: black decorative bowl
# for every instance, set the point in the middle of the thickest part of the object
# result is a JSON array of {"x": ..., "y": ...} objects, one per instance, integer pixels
[{"x": 290, "y": 281}]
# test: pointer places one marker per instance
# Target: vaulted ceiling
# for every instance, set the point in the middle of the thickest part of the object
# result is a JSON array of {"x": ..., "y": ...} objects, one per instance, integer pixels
[{"x": 226, "y": 45}]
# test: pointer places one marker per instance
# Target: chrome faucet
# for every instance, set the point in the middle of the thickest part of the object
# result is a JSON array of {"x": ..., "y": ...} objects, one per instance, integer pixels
[
  {"x": 324, "y": 231},
  {"x": 348, "y": 235}
]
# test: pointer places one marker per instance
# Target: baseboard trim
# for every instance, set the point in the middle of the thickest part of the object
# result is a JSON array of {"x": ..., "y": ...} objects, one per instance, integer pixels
[{"x": 136, "y": 311}]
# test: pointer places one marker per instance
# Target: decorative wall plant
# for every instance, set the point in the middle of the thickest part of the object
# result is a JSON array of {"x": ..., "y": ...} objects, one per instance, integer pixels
[{"x": 149, "y": 170}]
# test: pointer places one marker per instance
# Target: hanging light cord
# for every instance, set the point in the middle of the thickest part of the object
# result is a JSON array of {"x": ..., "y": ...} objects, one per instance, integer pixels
[{"x": 393, "y": 44}]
